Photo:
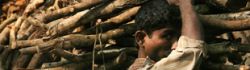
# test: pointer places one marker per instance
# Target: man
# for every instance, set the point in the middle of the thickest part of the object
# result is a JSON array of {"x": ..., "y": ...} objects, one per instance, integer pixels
[{"x": 160, "y": 45}]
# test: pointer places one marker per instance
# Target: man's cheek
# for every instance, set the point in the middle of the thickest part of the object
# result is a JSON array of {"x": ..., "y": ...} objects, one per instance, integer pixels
[
  {"x": 164, "y": 52},
  {"x": 161, "y": 53},
  {"x": 162, "y": 42}
]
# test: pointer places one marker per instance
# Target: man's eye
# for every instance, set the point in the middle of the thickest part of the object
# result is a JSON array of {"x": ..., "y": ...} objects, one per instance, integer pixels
[{"x": 167, "y": 36}]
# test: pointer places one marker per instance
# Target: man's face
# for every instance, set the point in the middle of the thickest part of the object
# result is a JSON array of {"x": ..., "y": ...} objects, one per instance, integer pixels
[{"x": 160, "y": 43}]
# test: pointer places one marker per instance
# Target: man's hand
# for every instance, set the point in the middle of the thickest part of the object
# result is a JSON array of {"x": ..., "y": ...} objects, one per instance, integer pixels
[
  {"x": 177, "y": 2},
  {"x": 173, "y": 2}
]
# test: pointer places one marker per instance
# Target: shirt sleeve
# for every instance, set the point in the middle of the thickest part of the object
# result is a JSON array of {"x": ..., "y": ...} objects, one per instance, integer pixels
[
  {"x": 184, "y": 57},
  {"x": 138, "y": 63}
]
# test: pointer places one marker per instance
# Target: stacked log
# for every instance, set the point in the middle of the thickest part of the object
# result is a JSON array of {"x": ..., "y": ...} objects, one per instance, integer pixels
[{"x": 98, "y": 34}]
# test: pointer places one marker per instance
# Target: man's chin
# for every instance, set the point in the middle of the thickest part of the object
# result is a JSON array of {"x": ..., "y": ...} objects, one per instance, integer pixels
[
  {"x": 165, "y": 53},
  {"x": 156, "y": 56},
  {"x": 159, "y": 57}
]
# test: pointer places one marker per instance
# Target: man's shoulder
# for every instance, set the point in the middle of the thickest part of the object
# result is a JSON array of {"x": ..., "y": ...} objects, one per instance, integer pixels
[{"x": 185, "y": 41}]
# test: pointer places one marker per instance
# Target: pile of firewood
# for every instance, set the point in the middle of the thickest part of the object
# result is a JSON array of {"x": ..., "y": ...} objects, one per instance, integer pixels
[{"x": 98, "y": 34}]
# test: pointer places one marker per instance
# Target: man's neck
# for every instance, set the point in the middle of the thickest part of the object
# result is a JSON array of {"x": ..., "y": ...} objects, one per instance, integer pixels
[{"x": 141, "y": 53}]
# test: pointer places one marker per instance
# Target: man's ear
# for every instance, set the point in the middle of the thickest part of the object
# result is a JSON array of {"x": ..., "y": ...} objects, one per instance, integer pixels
[{"x": 139, "y": 37}]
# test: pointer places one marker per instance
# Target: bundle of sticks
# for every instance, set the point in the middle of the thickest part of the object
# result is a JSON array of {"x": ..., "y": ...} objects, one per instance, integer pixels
[{"x": 98, "y": 34}]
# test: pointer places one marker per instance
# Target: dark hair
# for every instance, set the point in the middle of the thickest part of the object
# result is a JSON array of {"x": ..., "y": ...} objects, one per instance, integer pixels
[{"x": 156, "y": 14}]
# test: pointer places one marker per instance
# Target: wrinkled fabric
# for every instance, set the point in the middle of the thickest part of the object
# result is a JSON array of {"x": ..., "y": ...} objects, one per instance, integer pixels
[
  {"x": 186, "y": 56},
  {"x": 138, "y": 63}
]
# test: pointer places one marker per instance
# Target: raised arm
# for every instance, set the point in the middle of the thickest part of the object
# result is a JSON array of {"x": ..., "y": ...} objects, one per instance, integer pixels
[
  {"x": 189, "y": 49},
  {"x": 191, "y": 26}
]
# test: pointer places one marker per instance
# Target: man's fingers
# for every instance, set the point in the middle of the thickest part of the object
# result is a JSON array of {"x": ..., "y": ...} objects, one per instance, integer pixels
[{"x": 173, "y": 2}]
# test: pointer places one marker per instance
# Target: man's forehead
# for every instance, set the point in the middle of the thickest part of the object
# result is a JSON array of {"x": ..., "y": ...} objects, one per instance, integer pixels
[{"x": 163, "y": 30}]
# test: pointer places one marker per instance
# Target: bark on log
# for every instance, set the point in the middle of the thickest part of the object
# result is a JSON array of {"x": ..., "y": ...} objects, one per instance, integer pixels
[
  {"x": 114, "y": 21},
  {"x": 53, "y": 23},
  {"x": 213, "y": 49},
  {"x": 37, "y": 23},
  {"x": 36, "y": 61},
  {"x": 13, "y": 32},
  {"x": 26, "y": 60},
  {"x": 47, "y": 17},
  {"x": 216, "y": 66},
  {"x": 5, "y": 55},
  {"x": 28, "y": 32},
  {"x": 121, "y": 61},
  {"x": 7, "y": 22},
  {"x": 108, "y": 54},
  {"x": 4, "y": 35},
  {"x": 230, "y": 5},
  {"x": 26, "y": 43},
  {"x": 23, "y": 28},
  {"x": 18, "y": 23},
  {"x": 226, "y": 48},
  {"x": 72, "y": 66},
  {"x": 221, "y": 26},
  {"x": 22, "y": 61},
  {"x": 80, "y": 41},
  {"x": 55, "y": 64},
  {"x": 66, "y": 24},
  {"x": 2, "y": 48},
  {"x": 101, "y": 10},
  {"x": 11, "y": 59},
  {"x": 230, "y": 16},
  {"x": 67, "y": 55},
  {"x": 32, "y": 6},
  {"x": 12, "y": 40}
]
